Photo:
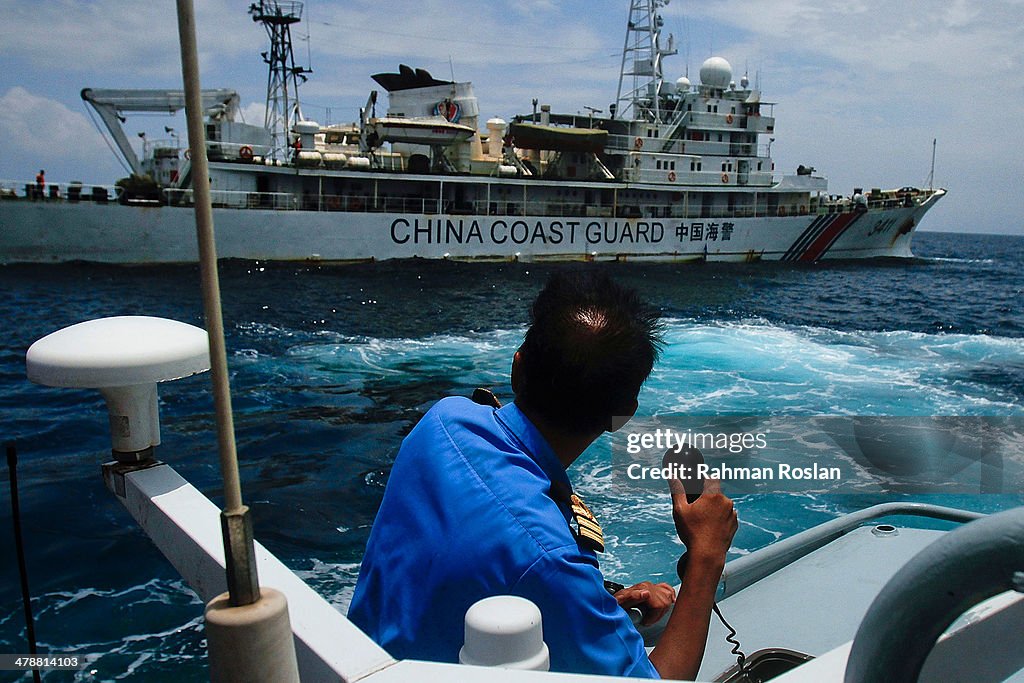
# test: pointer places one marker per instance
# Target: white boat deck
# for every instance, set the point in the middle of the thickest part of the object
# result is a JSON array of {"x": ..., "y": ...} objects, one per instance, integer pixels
[{"x": 839, "y": 580}]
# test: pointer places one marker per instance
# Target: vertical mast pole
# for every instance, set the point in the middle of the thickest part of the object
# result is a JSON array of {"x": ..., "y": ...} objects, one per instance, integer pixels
[
  {"x": 931, "y": 175},
  {"x": 240, "y": 555}
]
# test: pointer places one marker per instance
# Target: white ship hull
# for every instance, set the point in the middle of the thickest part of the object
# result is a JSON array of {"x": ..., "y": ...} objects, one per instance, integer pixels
[{"x": 43, "y": 232}]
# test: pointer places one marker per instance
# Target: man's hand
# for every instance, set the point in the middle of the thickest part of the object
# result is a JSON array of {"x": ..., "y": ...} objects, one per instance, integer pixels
[
  {"x": 708, "y": 524},
  {"x": 652, "y": 599}
]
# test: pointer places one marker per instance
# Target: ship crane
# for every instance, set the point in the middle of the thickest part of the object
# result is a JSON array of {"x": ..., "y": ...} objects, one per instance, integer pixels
[{"x": 113, "y": 104}]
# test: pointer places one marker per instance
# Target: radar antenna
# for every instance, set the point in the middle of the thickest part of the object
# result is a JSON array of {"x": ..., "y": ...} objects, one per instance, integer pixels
[
  {"x": 641, "y": 62},
  {"x": 283, "y": 76}
]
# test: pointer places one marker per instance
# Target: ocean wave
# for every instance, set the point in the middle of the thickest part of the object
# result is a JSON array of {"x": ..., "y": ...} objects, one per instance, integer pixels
[
  {"x": 730, "y": 366},
  {"x": 741, "y": 366},
  {"x": 941, "y": 259}
]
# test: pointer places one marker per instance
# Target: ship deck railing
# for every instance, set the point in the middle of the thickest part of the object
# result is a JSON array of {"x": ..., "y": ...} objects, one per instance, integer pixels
[
  {"x": 673, "y": 173},
  {"x": 627, "y": 143},
  {"x": 236, "y": 199},
  {"x": 627, "y": 206},
  {"x": 629, "y": 203},
  {"x": 74, "y": 191}
]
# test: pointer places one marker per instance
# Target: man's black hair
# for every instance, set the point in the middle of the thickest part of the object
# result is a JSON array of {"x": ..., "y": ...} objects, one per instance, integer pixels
[{"x": 590, "y": 346}]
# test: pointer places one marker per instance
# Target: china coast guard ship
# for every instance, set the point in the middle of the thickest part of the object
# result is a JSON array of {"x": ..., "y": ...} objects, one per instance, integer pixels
[{"x": 674, "y": 171}]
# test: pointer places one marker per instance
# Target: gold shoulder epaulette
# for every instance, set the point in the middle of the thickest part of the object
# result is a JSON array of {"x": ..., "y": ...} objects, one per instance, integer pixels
[{"x": 588, "y": 530}]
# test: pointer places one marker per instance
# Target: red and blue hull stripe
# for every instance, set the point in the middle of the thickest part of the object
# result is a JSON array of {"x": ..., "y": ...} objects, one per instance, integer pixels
[{"x": 819, "y": 236}]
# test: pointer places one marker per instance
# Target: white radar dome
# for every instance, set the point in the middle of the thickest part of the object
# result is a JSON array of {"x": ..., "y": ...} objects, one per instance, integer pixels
[
  {"x": 715, "y": 72},
  {"x": 682, "y": 84}
]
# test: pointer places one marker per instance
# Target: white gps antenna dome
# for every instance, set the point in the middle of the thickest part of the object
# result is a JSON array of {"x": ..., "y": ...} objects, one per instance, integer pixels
[
  {"x": 715, "y": 72},
  {"x": 124, "y": 357},
  {"x": 682, "y": 84},
  {"x": 505, "y": 631}
]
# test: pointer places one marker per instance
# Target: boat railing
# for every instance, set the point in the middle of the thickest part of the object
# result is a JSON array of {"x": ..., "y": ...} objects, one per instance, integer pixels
[
  {"x": 421, "y": 205},
  {"x": 625, "y": 206},
  {"x": 683, "y": 177},
  {"x": 629, "y": 205},
  {"x": 237, "y": 151},
  {"x": 896, "y": 199},
  {"x": 879, "y": 200},
  {"x": 236, "y": 199},
  {"x": 625, "y": 143},
  {"x": 74, "y": 191}
]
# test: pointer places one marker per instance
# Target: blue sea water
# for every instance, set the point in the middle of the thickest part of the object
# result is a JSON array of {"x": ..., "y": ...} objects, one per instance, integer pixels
[{"x": 332, "y": 366}]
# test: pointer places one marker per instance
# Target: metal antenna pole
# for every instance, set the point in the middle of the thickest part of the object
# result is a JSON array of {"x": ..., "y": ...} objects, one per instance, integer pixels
[
  {"x": 931, "y": 175},
  {"x": 19, "y": 550},
  {"x": 240, "y": 555}
]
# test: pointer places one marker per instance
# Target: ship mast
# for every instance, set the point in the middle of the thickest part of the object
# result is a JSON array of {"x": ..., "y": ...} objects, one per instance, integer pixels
[
  {"x": 931, "y": 175},
  {"x": 641, "y": 62},
  {"x": 283, "y": 78}
]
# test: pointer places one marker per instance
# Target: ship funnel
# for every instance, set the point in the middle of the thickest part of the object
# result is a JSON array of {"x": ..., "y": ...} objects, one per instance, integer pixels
[{"x": 124, "y": 357}]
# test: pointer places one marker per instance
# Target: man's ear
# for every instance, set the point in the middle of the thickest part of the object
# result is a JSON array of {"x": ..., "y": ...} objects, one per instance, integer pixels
[
  {"x": 517, "y": 375},
  {"x": 619, "y": 421}
]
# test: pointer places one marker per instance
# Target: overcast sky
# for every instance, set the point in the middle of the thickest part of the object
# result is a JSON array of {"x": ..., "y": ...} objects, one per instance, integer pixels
[{"x": 862, "y": 86}]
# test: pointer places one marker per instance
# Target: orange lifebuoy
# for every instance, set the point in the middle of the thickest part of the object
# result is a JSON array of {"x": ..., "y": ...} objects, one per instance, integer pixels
[
  {"x": 671, "y": 176},
  {"x": 188, "y": 154},
  {"x": 245, "y": 153},
  {"x": 728, "y": 118},
  {"x": 638, "y": 143},
  {"x": 725, "y": 177}
]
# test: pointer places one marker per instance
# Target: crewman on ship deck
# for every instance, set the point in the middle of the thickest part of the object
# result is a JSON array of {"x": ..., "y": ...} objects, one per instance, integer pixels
[{"x": 478, "y": 504}]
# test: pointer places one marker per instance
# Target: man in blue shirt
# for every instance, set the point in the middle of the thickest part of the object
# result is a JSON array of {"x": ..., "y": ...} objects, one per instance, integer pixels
[{"x": 478, "y": 504}]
